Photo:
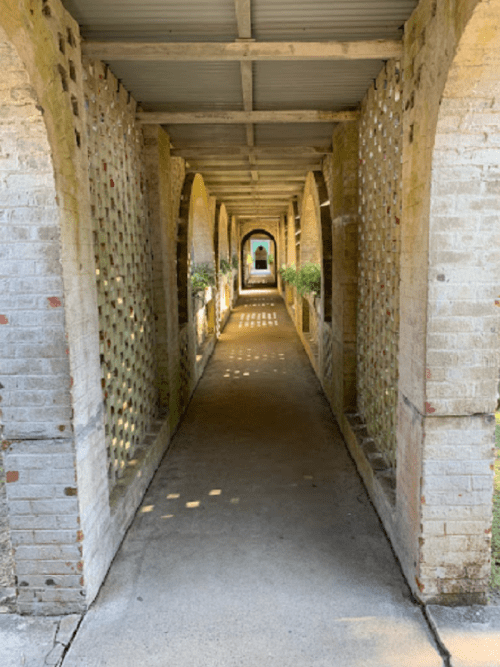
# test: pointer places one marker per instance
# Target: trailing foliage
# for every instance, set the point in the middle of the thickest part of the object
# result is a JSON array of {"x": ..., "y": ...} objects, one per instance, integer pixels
[
  {"x": 270, "y": 258},
  {"x": 202, "y": 276},
  {"x": 288, "y": 273},
  {"x": 308, "y": 280},
  {"x": 235, "y": 262},
  {"x": 225, "y": 267}
]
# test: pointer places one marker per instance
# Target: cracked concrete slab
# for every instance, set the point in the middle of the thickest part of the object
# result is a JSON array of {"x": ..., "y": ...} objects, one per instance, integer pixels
[
  {"x": 35, "y": 641},
  {"x": 471, "y": 635}
]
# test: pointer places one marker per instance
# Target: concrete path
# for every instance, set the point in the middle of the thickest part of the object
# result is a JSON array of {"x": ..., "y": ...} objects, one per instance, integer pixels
[{"x": 256, "y": 544}]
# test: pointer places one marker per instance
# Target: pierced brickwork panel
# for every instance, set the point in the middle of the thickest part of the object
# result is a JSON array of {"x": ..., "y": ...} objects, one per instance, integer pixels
[
  {"x": 327, "y": 352},
  {"x": 184, "y": 366},
  {"x": 123, "y": 265},
  {"x": 380, "y": 191}
]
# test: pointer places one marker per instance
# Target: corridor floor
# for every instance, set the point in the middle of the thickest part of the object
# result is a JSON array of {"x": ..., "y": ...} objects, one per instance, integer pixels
[{"x": 256, "y": 544}]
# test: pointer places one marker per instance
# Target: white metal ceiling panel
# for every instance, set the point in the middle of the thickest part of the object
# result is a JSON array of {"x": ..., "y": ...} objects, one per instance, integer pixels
[{"x": 207, "y": 135}]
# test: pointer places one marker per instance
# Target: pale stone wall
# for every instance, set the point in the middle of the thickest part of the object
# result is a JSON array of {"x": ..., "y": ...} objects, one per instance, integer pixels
[
  {"x": 310, "y": 234},
  {"x": 165, "y": 178},
  {"x": 341, "y": 177}
]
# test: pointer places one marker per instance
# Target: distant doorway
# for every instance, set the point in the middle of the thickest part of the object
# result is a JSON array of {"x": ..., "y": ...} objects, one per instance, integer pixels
[
  {"x": 258, "y": 252},
  {"x": 261, "y": 258}
]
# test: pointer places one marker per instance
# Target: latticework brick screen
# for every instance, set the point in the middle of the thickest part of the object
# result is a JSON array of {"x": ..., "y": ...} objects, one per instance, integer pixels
[
  {"x": 380, "y": 187},
  {"x": 123, "y": 265}
]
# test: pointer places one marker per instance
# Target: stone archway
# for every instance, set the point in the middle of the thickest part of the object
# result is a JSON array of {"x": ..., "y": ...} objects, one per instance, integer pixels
[
  {"x": 195, "y": 254},
  {"x": 30, "y": 232},
  {"x": 223, "y": 261},
  {"x": 245, "y": 251},
  {"x": 449, "y": 355},
  {"x": 55, "y": 408}
]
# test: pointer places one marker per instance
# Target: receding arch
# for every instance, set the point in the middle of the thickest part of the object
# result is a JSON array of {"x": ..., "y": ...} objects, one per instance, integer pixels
[
  {"x": 195, "y": 242},
  {"x": 223, "y": 234},
  {"x": 291, "y": 249},
  {"x": 316, "y": 235},
  {"x": 244, "y": 240}
]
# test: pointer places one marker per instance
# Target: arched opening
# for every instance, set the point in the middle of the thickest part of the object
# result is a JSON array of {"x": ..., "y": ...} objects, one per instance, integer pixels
[
  {"x": 308, "y": 310},
  {"x": 233, "y": 246},
  {"x": 459, "y": 373},
  {"x": 196, "y": 281},
  {"x": 258, "y": 253},
  {"x": 223, "y": 261},
  {"x": 36, "y": 400}
]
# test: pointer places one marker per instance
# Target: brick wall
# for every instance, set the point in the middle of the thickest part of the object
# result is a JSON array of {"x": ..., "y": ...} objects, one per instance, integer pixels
[
  {"x": 123, "y": 259},
  {"x": 63, "y": 528},
  {"x": 380, "y": 202},
  {"x": 53, "y": 396},
  {"x": 462, "y": 321}
]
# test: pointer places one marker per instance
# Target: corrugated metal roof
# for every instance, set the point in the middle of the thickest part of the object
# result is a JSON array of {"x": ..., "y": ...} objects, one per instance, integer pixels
[
  {"x": 182, "y": 86},
  {"x": 178, "y": 20},
  {"x": 329, "y": 19},
  {"x": 293, "y": 134},
  {"x": 312, "y": 85},
  {"x": 187, "y": 86},
  {"x": 207, "y": 135}
]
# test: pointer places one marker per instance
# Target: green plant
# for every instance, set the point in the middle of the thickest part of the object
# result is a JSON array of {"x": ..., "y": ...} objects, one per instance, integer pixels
[
  {"x": 225, "y": 267},
  {"x": 235, "y": 262},
  {"x": 288, "y": 274},
  {"x": 202, "y": 276},
  {"x": 270, "y": 258},
  {"x": 308, "y": 279}
]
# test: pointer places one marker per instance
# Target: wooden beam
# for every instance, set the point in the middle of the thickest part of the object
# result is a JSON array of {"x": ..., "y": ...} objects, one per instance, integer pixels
[
  {"x": 263, "y": 162},
  {"x": 303, "y": 168},
  {"x": 251, "y": 188},
  {"x": 257, "y": 151},
  {"x": 243, "y": 18},
  {"x": 254, "y": 197},
  {"x": 251, "y": 216},
  {"x": 220, "y": 180},
  {"x": 247, "y": 85},
  {"x": 248, "y": 205},
  {"x": 379, "y": 49},
  {"x": 243, "y": 117}
]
